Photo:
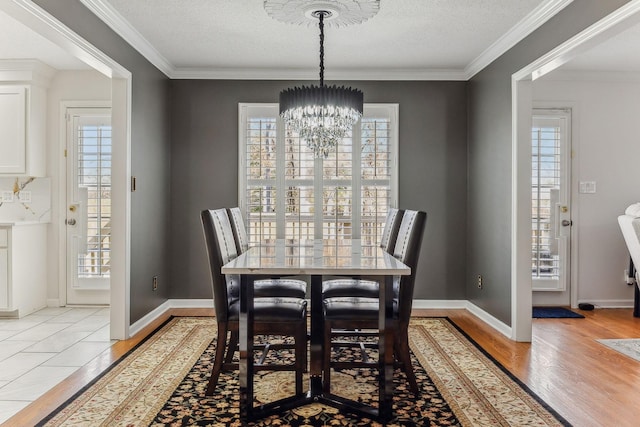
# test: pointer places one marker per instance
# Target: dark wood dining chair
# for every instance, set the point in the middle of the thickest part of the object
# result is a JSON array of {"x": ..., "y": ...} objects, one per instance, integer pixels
[
  {"x": 277, "y": 287},
  {"x": 360, "y": 287},
  {"x": 345, "y": 314},
  {"x": 272, "y": 316}
]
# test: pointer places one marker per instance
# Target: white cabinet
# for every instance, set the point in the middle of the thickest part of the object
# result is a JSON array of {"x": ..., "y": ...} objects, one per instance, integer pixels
[
  {"x": 23, "y": 279},
  {"x": 22, "y": 130}
]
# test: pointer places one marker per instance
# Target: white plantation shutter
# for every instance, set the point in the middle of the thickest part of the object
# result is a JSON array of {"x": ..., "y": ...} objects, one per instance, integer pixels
[
  {"x": 284, "y": 192},
  {"x": 94, "y": 183}
]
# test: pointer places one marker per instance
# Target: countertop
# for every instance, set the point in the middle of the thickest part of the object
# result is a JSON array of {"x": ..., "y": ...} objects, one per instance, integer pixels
[{"x": 4, "y": 223}]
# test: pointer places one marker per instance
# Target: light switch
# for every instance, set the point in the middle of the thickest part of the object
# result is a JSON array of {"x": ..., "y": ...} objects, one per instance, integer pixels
[
  {"x": 7, "y": 197},
  {"x": 587, "y": 187}
]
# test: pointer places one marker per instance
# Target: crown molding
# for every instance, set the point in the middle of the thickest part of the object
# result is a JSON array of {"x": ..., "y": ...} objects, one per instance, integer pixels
[
  {"x": 593, "y": 76},
  {"x": 103, "y": 10},
  {"x": 297, "y": 74},
  {"x": 522, "y": 29},
  {"x": 124, "y": 29}
]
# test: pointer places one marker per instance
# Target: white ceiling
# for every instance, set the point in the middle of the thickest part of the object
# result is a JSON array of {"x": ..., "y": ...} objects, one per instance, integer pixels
[
  {"x": 407, "y": 39},
  {"x": 617, "y": 54},
  {"x": 20, "y": 42}
]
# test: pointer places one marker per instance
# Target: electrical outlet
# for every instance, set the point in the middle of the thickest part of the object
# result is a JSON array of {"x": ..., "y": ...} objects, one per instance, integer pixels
[
  {"x": 154, "y": 285},
  {"x": 479, "y": 281}
]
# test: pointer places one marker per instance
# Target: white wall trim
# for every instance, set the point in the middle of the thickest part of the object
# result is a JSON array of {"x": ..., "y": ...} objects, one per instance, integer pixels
[
  {"x": 611, "y": 24},
  {"x": 53, "y": 302},
  {"x": 39, "y": 20},
  {"x": 487, "y": 318},
  {"x": 521, "y": 295},
  {"x": 43, "y": 23},
  {"x": 610, "y": 303},
  {"x": 148, "y": 318},
  {"x": 522, "y": 29},
  {"x": 191, "y": 303},
  {"x": 110, "y": 16},
  {"x": 418, "y": 304},
  {"x": 439, "y": 304}
]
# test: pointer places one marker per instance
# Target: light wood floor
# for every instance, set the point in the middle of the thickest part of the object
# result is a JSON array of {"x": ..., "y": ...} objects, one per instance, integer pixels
[{"x": 584, "y": 381}]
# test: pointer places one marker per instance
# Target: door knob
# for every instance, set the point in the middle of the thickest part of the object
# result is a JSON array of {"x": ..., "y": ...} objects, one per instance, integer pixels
[
  {"x": 71, "y": 221},
  {"x": 566, "y": 222}
]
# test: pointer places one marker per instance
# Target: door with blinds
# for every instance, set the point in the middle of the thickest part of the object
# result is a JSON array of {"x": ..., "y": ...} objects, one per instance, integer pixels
[
  {"x": 88, "y": 207},
  {"x": 550, "y": 201}
]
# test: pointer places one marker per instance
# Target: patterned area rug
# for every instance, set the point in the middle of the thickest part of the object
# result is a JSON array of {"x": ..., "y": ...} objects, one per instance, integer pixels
[
  {"x": 628, "y": 346},
  {"x": 162, "y": 382}
]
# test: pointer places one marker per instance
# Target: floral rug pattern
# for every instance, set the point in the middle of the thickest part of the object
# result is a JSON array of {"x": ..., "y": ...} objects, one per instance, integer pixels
[{"x": 162, "y": 382}]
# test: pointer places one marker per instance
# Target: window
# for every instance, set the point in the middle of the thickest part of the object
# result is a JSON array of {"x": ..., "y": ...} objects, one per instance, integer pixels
[
  {"x": 285, "y": 193},
  {"x": 549, "y": 196},
  {"x": 93, "y": 141}
]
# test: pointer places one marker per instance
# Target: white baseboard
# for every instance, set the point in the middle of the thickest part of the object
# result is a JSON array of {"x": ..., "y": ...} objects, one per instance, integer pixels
[
  {"x": 420, "y": 304},
  {"x": 439, "y": 304},
  {"x": 487, "y": 318},
  {"x": 147, "y": 319},
  {"x": 53, "y": 302},
  {"x": 191, "y": 303},
  {"x": 610, "y": 303}
]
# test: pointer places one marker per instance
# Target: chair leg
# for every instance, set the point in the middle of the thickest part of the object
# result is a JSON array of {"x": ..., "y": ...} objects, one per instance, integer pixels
[
  {"x": 401, "y": 348},
  {"x": 232, "y": 346},
  {"x": 326, "y": 363},
  {"x": 301, "y": 355},
  {"x": 221, "y": 345}
]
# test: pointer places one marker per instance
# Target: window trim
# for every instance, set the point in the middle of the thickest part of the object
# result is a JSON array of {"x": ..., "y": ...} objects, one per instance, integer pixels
[{"x": 390, "y": 110}]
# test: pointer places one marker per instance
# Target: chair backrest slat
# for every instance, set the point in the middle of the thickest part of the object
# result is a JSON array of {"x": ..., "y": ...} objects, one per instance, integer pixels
[
  {"x": 391, "y": 227},
  {"x": 221, "y": 249},
  {"x": 407, "y": 250},
  {"x": 239, "y": 230}
]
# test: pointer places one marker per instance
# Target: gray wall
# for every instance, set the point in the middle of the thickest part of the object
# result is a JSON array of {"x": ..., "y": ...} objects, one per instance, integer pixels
[
  {"x": 489, "y": 192},
  {"x": 150, "y": 154},
  {"x": 433, "y": 164}
]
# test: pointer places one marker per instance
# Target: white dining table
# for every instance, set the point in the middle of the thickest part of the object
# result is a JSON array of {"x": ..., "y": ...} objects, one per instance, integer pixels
[{"x": 316, "y": 259}]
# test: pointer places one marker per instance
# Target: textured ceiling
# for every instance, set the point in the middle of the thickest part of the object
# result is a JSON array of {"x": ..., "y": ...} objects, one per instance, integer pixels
[
  {"x": 410, "y": 36},
  {"x": 411, "y": 39}
]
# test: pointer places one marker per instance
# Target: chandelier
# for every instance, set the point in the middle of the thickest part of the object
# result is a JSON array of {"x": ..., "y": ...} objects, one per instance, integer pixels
[{"x": 322, "y": 115}]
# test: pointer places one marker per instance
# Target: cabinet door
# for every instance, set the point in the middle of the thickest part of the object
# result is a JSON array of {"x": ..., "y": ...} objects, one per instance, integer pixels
[
  {"x": 13, "y": 142},
  {"x": 4, "y": 278}
]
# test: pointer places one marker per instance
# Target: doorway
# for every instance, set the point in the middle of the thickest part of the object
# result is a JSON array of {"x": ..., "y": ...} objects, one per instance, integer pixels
[
  {"x": 522, "y": 112},
  {"x": 88, "y": 205},
  {"x": 551, "y": 206}
]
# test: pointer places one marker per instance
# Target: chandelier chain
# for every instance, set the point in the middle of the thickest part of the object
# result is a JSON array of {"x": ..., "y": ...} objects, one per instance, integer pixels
[{"x": 321, "y": 18}]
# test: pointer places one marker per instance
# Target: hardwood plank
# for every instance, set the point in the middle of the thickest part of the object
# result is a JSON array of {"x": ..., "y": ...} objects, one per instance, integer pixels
[{"x": 584, "y": 381}]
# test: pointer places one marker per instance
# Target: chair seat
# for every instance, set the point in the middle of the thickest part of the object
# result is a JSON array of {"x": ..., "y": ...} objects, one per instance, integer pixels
[
  {"x": 354, "y": 288},
  {"x": 280, "y": 288},
  {"x": 276, "y": 310},
  {"x": 354, "y": 308}
]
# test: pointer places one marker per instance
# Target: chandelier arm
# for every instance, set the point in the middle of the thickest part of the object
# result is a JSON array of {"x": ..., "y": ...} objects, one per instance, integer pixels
[{"x": 321, "y": 24}]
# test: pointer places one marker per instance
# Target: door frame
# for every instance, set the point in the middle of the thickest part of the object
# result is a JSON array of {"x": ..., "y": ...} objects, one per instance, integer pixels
[
  {"x": 522, "y": 110},
  {"x": 574, "y": 143},
  {"x": 63, "y": 142},
  {"x": 43, "y": 23}
]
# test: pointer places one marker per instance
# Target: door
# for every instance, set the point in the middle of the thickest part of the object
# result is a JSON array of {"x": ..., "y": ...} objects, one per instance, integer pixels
[
  {"x": 88, "y": 208},
  {"x": 550, "y": 198}
]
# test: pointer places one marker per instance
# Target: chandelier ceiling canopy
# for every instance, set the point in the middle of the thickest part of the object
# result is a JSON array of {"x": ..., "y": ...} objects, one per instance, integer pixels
[{"x": 322, "y": 115}]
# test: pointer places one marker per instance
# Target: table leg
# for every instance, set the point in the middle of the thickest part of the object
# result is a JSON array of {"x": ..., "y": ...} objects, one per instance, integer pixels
[
  {"x": 317, "y": 336},
  {"x": 385, "y": 343},
  {"x": 245, "y": 345}
]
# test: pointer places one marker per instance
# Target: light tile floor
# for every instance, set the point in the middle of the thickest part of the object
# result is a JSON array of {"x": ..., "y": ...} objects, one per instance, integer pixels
[{"x": 43, "y": 348}]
